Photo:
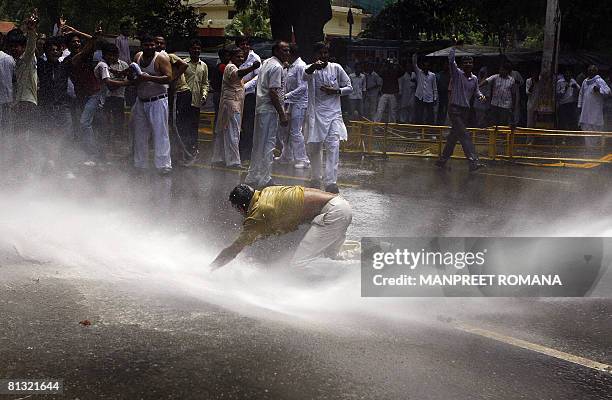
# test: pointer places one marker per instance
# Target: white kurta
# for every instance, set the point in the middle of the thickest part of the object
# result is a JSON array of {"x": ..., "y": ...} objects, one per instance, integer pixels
[
  {"x": 325, "y": 110},
  {"x": 407, "y": 85},
  {"x": 592, "y": 103}
]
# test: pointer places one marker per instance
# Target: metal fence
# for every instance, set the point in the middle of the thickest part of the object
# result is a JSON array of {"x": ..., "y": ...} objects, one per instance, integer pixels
[
  {"x": 540, "y": 147},
  {"x": 519, "y": 145}
]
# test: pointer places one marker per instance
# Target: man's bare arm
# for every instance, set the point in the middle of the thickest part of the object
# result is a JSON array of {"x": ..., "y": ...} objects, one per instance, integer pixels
[
  {"x": 227, "y": 255},
  {"x": 180, "y": 67},
  {"x": 163, "y": 65},
  {"x": 113, "y": 84}
]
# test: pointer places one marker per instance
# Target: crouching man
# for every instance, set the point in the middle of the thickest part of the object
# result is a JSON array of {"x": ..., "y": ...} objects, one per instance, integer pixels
[{"x": 281, "y": 209}]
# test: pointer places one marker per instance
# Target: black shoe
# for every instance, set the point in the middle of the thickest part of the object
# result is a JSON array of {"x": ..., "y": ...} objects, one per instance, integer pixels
[
  {"x": 441, "y": 163},
  {"x": 332, "y": 188},
  {"x": 476, "y": 165},
  {"x": 314, "y": 183}
]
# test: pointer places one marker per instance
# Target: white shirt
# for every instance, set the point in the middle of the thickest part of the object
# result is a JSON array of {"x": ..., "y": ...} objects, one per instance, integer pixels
[
  {"x": 359, "y": 86},
  {"x": 325, "y": 110},
  {"x": 501, "y": 90},
  {"x": 270, "y": 77},
  {"x": 533, "y": 91},
  {"x": 102, "y": 72},
  {"x": 297, "y": 87},
  {"x": 407, "y": 84},
  {"x": 250, "y": 79},
  {"x": 592, "y": 103},
  {"x": 427, "y": 85},
  {"x": 7, "y": 69},
  {"x": 373, "y": 83}
]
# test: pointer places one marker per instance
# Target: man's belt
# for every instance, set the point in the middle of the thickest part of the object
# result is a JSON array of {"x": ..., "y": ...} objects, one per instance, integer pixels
[{"x": 150, "y": 99}]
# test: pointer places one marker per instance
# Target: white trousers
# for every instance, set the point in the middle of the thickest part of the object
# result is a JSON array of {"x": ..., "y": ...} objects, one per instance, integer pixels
[
  {"x": 292, "y": 137},
  {"x": 326, "y": 234},
  {"x": 151, "y": 119},
  {"x": 387, "y": 101},
  {"x": 332, "y": 159},
  {"x": 226, "y": 148},
  {"x": 370, "y": 105},
  {"x": 592, "y": 141},
  {"x": 264, "y": 143}
]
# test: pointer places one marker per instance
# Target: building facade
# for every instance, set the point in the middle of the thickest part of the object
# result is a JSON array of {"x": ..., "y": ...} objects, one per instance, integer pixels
[{"x": 219, "y": 14}]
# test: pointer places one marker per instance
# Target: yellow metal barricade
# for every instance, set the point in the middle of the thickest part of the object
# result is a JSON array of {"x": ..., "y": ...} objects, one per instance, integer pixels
[{"x": 520, "y": 145}]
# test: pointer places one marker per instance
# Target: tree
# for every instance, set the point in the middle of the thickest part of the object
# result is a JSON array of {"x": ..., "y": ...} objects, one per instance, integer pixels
[
  {"x": 252, "y": 19},
  {"x": 171, "y": 18}
]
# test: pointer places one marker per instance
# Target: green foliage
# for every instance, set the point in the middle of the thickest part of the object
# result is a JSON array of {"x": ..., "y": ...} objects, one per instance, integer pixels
[
  {"x": 494, "y": 22},
  {"x": 172, "y": 18},
  {"x": 252, "y": 19},
  {"x": 250, "y": 23}
]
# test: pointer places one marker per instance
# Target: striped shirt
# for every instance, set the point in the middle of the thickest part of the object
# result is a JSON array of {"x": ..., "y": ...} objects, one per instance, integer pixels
[
  {"x": 502, "y": 90},
  {"x": 463, "y": 88}
]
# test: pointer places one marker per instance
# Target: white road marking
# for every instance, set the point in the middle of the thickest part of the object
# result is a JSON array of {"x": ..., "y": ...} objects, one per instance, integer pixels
[
  {"x": 585, "y": 362},
  {"x": 525, "y": 177}
]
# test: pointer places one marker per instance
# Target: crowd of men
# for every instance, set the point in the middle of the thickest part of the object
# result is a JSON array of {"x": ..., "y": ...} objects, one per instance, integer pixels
[
  {"x": 76, "y": 87},
  {"x": 59, "y": 87},
  {"x": 418, "y": 92}
]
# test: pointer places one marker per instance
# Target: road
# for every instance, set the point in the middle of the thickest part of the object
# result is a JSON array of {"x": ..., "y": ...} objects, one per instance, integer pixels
[{"x": 129, "y": 254}]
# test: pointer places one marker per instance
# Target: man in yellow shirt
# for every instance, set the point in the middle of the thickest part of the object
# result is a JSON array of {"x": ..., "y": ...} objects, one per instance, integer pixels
[{"x": 281, "y": 209}]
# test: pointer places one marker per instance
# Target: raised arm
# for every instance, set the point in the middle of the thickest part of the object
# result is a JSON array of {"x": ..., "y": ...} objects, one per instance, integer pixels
[
  {"x": 415, "y": 63},
  {"x": 86, "y": 51},
  {"x": 452, "y": 63},
  {"x": 245, "y": 71}
]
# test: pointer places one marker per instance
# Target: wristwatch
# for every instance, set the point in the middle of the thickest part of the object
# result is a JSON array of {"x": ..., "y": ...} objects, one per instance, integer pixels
[{"x": 338, "y": 91}]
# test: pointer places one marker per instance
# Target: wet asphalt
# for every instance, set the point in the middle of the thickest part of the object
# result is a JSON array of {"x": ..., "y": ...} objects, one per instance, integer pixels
[{"x": 155, "y": 343}]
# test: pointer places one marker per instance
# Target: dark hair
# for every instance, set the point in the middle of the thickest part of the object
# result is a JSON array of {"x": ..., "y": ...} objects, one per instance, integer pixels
[
  {"x": 317, "y": 47},
  {"x": 52, "y": 41},
  {"x": 232, "y": 50},
  {"x": 146, "y": 37},
  {"x": 507, "y": 66},
  {"x": 241, "y": 196},
  {"x": 465, "y": 59},
  {"x": 276, "y": 46},
  {"x": 70, "y": 36},
  {"x": 294, "y": 49},
  {"x": 240, "y": 40},
  {"x": 195, "y": 42},
  {"x": 125, "y": 24},
  {"x": 16, "y": 37},
  {"x": 110, "y": 48},
  {"x": 222, "y": 52}
]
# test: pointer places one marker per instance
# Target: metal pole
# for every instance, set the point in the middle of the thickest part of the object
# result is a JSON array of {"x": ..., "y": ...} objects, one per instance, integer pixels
[{"x": 546, "y": 103}]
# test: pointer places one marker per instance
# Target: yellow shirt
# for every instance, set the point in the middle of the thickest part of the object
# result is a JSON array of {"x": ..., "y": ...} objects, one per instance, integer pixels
[
  {"x": 274, "y": 210},
  {"x": 197, "y": 80},
  {"x": 181, "y": 83},
  {"x": 26, "y": 78}
]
